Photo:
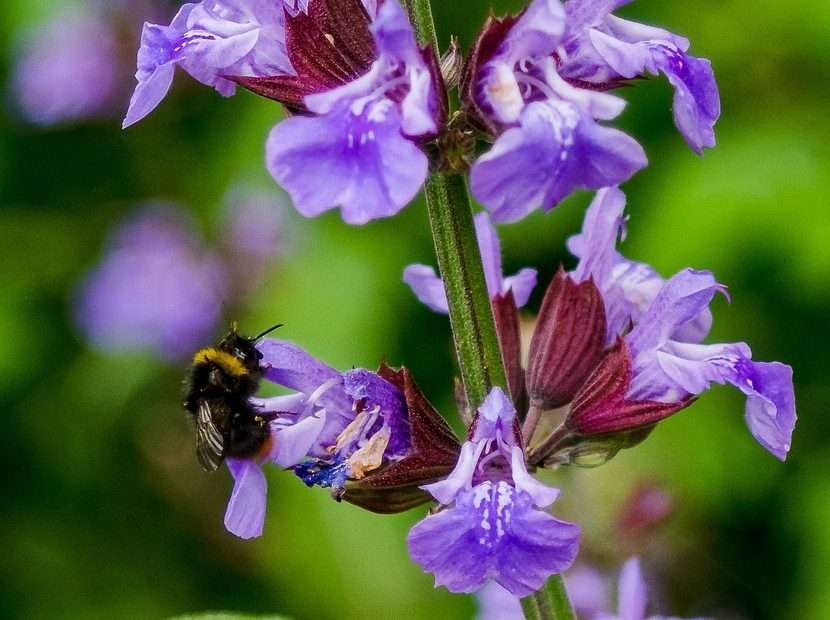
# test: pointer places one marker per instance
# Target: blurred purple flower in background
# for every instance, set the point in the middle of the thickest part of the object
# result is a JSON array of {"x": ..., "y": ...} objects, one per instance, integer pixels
[
  {"x": 253, "y": 235},
  {"x": 156, "y": 289},
  {"x": 68, "y": 69},
  {"x": 585, "y": 587},
  {"x": 632, "y": 595}
]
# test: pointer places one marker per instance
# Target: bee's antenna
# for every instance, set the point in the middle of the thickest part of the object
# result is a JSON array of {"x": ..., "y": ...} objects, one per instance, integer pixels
[{"x": 267, "y": 331}]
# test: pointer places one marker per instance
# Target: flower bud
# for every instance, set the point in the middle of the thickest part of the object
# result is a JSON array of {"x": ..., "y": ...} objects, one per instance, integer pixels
[{"x": 567, "y": 343}]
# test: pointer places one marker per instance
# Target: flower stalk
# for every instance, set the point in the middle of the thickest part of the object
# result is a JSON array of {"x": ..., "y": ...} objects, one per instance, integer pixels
[{"x": 471, "y": 315}]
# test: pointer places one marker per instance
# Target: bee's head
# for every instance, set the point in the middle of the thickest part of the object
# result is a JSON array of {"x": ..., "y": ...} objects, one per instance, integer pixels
[{"x": 244, "y": 348}]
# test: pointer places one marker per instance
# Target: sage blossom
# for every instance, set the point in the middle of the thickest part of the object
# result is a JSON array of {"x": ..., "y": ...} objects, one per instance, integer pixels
[
  {"x": 640, "y": 355},
  {"x": 209, "y": 40},
  {"x": 492, "y": 525},
  {"x": 337, "y": 429},
  {"x": 538, "y": 83},
  {"x": 367, "y": 96}
]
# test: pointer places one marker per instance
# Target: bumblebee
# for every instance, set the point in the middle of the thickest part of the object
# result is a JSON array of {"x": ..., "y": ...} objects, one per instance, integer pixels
[{"x": 218, "y": 387}]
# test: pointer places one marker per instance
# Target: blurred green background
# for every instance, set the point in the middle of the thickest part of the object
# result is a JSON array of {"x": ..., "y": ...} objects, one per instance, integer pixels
[{"x": 105, "y": 513}]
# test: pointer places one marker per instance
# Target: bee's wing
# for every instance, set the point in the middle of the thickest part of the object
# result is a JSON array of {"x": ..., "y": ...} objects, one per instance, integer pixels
[{"x": 210, "y": 443}]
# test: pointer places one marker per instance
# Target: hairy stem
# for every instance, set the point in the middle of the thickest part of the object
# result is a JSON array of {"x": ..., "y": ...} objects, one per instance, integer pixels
[
  {"x": 551, "y": 601},
  {"x": 471, "y": 315}
]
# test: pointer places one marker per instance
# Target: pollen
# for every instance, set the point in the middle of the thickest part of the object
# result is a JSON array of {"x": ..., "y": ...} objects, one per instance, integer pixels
[{"x": 225, "y": 361}]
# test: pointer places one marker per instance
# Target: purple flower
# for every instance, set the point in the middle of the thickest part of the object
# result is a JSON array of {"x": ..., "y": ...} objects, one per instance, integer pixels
[
  {"x": 632, "y": 596},
  {"x": 536, "y": 81},
  {"x": 668, "y": 370},
  {"x": 336, "y": 427},
  {"x": 68, "y": 70},
  {"x": 628, "y": 287},
  {"x": 491, "y": 526},
  {"x": 155, "y": 289},
  {"x": 662, "y": 359},
  {"x": 359, "y": 133},
  {"x": 209, "y": 40},
  {"x": 605, "y": 48},
  {"x": 429, "y": 288},
  {"x": 549, "y": 142}
]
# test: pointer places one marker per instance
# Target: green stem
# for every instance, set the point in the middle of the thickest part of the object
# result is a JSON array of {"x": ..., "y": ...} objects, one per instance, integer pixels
[
  {"x": 420, "y": 14},
  {"x": 551, "y": 602},
  {"x": 471, "y": 315}
]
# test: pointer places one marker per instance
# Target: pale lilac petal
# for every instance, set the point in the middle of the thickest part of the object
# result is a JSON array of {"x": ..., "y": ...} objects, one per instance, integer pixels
[
  {"x": 493, "y": 532},
  {"x": 394, "y": 36},
  {"x": 683, "y": 297},
  {"x": 490, "y": 249},
  {"x": 633, "y": 593},
  {"x": 696, "y": 105},
  {"x": 537, "y": 33},
  {"x": 676, "y": 370},
  {"x": 585, "y": 14},
  {"x": 522, "y": 285},
  {"x": 496, "y": 603},
  {"x": 245, "y": 515},
  {"x": 587, "y": 591},
  {"x": 370, "y": 169},
  {"x": 634, "y": 32},
  {"x": 446, "y": 490},
  {"x": 627, "y": 59},
  {"x": 292, "y": 443},
  {"x": 541, "y": 494},
  {"x": 770, "y": 404},
  {"x": 288, "y": 403},
  {"x": 495, "y": 417},
  {"x": 601, "y": 228},
  {"x": 290, "y": 366},
  {"x": 427, "y": 286},
  {"x": 556, "y": 150}
]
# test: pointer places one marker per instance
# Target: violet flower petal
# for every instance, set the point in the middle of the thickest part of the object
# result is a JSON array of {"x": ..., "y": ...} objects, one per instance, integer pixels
[
  {"x": 371, "y": 170},
  {"x": 493, "y": 531},
  {"x": 770, "y": 404},
  {"x": 683, "y": 297},
  {"x": 696, "y": 105},
  {"x": 245, "y": 515},
  {"x": 428, "y": 287},
  {"x": 632, "y": 592},
  {"x": 288, "y": 365},
  {"x": 522, "y": 285},
  {"x": 294, "y": 442},
  {"x": 557, "y": 149}
]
